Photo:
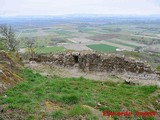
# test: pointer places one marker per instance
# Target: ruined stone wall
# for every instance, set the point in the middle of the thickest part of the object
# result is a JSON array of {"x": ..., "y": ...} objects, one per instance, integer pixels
[{"x": 96, "y": 62}]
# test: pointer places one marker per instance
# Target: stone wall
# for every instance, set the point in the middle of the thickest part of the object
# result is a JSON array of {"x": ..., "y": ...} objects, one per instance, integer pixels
[{"x": 96, "y": 62}]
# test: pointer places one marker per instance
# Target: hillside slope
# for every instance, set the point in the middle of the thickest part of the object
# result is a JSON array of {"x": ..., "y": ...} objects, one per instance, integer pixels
[
  {"x": 9, "y": 66},
  {"x": 57, "y": 98}
]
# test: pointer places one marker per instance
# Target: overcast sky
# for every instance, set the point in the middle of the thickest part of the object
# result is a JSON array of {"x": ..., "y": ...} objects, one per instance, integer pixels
[{"x": 60, "y": 7}]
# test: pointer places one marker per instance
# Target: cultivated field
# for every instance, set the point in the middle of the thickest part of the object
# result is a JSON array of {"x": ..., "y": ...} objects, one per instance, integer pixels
[
  {"x": 102, "y": 48},
  {"x": 49, "y": 49}
]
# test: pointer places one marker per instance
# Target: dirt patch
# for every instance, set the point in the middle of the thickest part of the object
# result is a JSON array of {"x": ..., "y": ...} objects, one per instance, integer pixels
[{"x": 50, "y": 106}]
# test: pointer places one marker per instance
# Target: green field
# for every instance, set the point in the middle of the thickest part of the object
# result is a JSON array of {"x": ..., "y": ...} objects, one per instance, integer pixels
[
  {"x": 121, "y": 43},
  {"x": 54, "y": 49},
  {"x": 39, "y": 97},
  {"x": 102, "y": 48}
]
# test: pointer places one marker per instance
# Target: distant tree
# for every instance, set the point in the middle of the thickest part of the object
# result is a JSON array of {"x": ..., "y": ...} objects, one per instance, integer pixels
[
  {"x": 31, "y": 46},
  {"x": 7, "y": 35}
]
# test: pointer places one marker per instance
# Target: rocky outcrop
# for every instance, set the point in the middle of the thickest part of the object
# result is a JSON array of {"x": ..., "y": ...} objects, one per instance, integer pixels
[{"x": 9, "y": 66}]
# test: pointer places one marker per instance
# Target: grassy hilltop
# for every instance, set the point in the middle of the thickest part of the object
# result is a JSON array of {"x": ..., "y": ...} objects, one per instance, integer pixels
[{"x": 39, "y": 97}]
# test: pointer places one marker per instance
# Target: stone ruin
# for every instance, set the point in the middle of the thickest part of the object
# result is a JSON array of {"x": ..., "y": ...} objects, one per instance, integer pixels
[{"x": 99, "y": 63}]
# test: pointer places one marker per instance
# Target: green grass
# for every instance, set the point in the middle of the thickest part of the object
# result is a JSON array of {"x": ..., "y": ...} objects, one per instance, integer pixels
[
  {"x": 54, "y": 49},
  {"x": 71, "y": 93},
  {"x": 78, "y": 110},
  {"x": 57, "y": 114},
  {"x": 102, "y": 48}
]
